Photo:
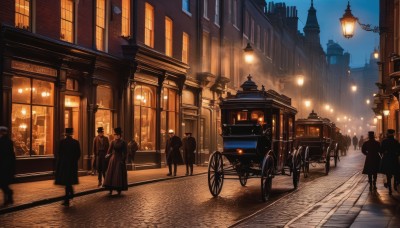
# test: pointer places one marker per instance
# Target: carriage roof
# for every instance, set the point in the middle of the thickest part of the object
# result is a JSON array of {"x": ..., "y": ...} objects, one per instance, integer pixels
[
  {"x": 314, "y": 119},
  {"x": 251, "y": 97}
]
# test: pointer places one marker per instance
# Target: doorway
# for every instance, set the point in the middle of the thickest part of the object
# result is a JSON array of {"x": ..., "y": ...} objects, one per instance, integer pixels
[{"x": 71, "y": 114}]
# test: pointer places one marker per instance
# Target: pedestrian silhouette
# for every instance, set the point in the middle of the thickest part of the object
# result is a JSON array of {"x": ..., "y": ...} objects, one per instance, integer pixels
[
  {"x": 371, "y": 149},
  {"x": 172, "y": 152},
  {"x": 100, "y": 147},
  {"x": 189, "y": 148},
  {"x": 67, "y": 158},
  {"x": 390, "y": 148},
  {"x": 117, "y": 175},
  {"x": 7, "y": 165},
  {"x": 355, "y": 142}
]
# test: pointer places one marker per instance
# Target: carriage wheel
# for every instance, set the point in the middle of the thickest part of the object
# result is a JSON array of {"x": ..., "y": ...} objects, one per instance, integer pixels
[
  {"x": 306, "y": 162},
  {"x": 215, "y": 173},
  {"x": 243, "y": 176},
  {"x": 328, "y": 162},
  {"x": 296, "y": 170},
  {"x": 266, "y": 177}
]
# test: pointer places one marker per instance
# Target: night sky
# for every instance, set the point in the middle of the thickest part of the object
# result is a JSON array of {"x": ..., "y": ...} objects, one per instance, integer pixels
[{"x": 328, "y": 14}]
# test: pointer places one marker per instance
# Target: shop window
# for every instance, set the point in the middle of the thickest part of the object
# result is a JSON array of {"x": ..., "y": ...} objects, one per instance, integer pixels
[
  {"x": 149, "y": 26},
  {"x": 125, "y": 18},
  {"x": 23, "y": 14},
  {"x": 67, "y": 20},
  {"x": 169, "y": 115},
  {"x": 103, "y": 118},
  {"x": 32, "y": 116},
  {"x": 100, "y": 24},
  {"x": 144, "y": 117}
]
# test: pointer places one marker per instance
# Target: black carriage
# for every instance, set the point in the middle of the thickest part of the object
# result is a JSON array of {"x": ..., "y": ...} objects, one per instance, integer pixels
[
  {"x": 316, "y": 140},
  {"x": 258, "y": 134}
]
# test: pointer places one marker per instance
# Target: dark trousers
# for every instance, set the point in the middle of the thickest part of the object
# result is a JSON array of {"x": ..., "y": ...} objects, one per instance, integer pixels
[
  {"x": 69, "y": 193},
  {"x": 170, "y": 167},
  {"x": 189, "y": 166},
  {"x": 102, "y": 165},
  {"x": 7, "y": 193},
  {"x": 372, "y": 178}
]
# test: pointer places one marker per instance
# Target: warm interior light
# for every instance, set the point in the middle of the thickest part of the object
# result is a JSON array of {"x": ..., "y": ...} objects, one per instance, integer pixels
[
  {"x": 249, "y": 58},
  {"x": 300, "y": 81},
  {"x": 379, "y": 117},
  {"x": 386, "y": 112},
  {"x": 239, "y": 151},
  {"x": 354, "y": 88},
  {"x": 248, "y": 54},
  {"x": 307, "y": 103},
  {"x": 19, "y": 90},
  {"x": 368, "y": 101}
]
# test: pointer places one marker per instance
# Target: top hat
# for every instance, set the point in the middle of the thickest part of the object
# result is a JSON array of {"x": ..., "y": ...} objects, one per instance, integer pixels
[
  {"x": 170, "y": 131},
  {"x": 371, "y": 134},
  {"x": 188, "y": 133},
  {"x": 69, "y": 131},
  {"x": 118, "y": 130},
  {"x": 390, "y": 132},
  {"x": 3, "y": 129},
  {"x": 100, "y": 129}
]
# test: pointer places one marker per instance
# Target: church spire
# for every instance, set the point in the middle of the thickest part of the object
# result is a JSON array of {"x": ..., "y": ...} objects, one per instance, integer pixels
[{"x": 311, "y": 30}]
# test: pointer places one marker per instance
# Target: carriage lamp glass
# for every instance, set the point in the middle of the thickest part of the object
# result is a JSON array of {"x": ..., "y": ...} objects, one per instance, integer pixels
[
  {"x": 348, "y": 22},
  {"x": 386, "y": 112},
  {"x": 239, "y": 151},
  {"x": 248, "y": 53}
]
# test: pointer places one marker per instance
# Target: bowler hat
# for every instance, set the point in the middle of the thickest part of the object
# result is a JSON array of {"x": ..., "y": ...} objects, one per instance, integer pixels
[
  {"x": 118, "y": 130},
  {"x": 69, "y": 131},
  {"x": 100, "y": 129},
  {"x": 390, "y": 132},
  {"x": 371, "y": 134}
]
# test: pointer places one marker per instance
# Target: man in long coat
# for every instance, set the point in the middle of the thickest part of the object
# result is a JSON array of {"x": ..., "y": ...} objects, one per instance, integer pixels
[
  {"x": 172, "y": 152},
  {"x": 189, "y": 147},
  {"x": 100, "y": 148},
  {"x": 7, "y": 165},
  {"x": 371, "y": 149},
  {"x": 67, "y": 164},
  {"x": 390, "y": 165},
  {"x": 355, "y": 142}
]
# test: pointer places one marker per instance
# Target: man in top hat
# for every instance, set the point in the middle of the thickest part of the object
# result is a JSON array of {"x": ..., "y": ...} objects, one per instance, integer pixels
[
  {"x": 7, "y": 165},
  {"x": 189, "y": 148},
  {"x": 67, "y": 158},
  {"x": 100, "y": 147},
  {"x": 390, "y": 166},
  {"x": 371, "y": 149},
  {"x": 172, "y": 151}
]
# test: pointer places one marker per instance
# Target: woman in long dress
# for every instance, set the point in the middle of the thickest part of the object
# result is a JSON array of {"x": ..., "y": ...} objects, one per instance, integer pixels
[{"x": 117, "y": 175}]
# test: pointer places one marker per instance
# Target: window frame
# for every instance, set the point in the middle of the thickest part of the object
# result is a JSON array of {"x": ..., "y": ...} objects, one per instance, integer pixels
[
  {"x": 217, "y": 13},
  {"x": 18, "y": 14},
  {"x": 72, "y": 22},
  {"x": 125, "y": 18},
  {"x": 149, "y": 25},
  {"x": 169, "y": 36},
  {"x": 185, "y": 47},
  {"x": 101, "y": 29}
]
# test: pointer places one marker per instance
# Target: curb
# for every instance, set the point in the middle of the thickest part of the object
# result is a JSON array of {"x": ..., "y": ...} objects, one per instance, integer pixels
[{"x": 83, "y": 193}]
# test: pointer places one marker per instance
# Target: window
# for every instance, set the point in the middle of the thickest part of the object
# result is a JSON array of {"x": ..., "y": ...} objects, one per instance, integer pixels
[
  {"x": 100, "y": 24},
  {"x": 300, "y": 130},
  {"x": 104, "y": 100},
  {"x": 144, "y": 117},
  {"x": 185, "y": 48},
  {"x": 228, "y": 54},
  {"x": 32, "y": 116},
  {"x": 216, "y": 19},
  {"x": 23, "y": 14},
  {"x": 313, "y": 131},
  {"x": 205, "y": 9},
  {"x": 257, "y": 37},
  {"x": 214, "y": 56},
  {"x": 169, "y": 115},
  {"x": 186, "y": 6},
  {"x": 67, "y": 21},
  {"x": 205, "y": 59},
  {"x": 168, "y": 36},
  {"x": 246, "y": 23},
  {"x": 149, "y": 26},
  {"x": 125, "y": 31},
  {"x": 234, "y": 12}
]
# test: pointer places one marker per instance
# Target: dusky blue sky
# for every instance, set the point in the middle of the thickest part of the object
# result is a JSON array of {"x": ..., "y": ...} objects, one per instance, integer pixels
[{"x": 328, "y": 13}]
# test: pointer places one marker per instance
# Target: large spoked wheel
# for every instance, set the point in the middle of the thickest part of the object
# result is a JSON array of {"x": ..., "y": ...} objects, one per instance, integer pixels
[
  {"x": 306, "y": 162},
  {"x": 328, "y": 161},
  {"x": 296, "y": 169},
  {"x": 243, "y": 176},
  {"x": 215, "y": 173},
  {"x": 266, "y": 177}
]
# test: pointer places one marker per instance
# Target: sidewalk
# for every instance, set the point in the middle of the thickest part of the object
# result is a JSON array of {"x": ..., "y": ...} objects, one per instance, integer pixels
[{"x": 31, "y": 194}]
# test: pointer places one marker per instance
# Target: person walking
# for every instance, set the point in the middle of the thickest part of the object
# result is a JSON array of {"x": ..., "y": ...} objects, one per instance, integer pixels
[
  {"x": 100, "y": 147},
  {"x": 360, "y": 142},
  {"x": 189, "y": 148},
  {"x": 7, "y": 165},
  {"x": 67, "y": 158},
  {"x": 390, "y": 166},
  {"x": 355, "y": 142},
  {"x": 371, "y": 149},
  {"x": 132, "y": 148},
  {"x": 172, "y": 152},
  {"x": 117, "y": 175}
]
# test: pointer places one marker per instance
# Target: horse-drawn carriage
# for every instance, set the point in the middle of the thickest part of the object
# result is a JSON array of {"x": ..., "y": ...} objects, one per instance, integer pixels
[
  {"x": 316, "y": 140},
  {"x": 258, "y": 135}
]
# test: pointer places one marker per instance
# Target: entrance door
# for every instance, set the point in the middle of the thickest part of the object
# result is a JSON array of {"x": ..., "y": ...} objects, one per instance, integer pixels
[{"x": 71, "y": 114}]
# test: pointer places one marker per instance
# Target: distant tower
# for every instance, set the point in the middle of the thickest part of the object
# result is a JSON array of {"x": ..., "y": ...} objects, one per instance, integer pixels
[{"x": 311, "y": 30}]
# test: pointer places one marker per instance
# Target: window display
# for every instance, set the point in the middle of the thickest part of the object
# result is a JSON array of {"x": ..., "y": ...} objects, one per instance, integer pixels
[
  {"x": 32, "y": 116},
  {"x": 103, "y": 117},
  {"x": 144, "y": 117}
]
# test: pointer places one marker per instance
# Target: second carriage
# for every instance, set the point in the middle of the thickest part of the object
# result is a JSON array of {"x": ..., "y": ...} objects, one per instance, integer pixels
[{"x": 258, "y": 134}]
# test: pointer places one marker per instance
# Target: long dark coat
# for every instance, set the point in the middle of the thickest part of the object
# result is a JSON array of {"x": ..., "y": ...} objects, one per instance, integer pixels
[
  {"x": 7, "y": 161},
  {"x": 355, "y": 141},
  {"x": 371, "y": 150},
  {"x": 390, "y": 148},
  {"x": 172, "y": 150},
  {"x": 100, "y": 148},
  {"x": 67, "y": 162},
  {"x": 189, "y": 146},
  {"x": 117, "y": 175}
]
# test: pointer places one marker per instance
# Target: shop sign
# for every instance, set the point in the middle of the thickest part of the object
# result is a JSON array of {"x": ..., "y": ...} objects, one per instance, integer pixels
[{"x": 33, "y": 68}]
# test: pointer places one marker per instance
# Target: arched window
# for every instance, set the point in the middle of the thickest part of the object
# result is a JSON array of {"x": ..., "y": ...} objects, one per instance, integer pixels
[{"x": 144, "y": 130}]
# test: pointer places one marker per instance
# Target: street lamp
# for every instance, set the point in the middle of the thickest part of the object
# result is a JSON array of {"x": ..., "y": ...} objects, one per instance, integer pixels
[
  {"x": 248, "y": 54},
  {"x": 367, "y": 101},
  {"x": 354, "y": 88},
  {"x": 348, "y": 22},
  {"x": 300, "y": 80},
  {"x": 376, "y": 54}
]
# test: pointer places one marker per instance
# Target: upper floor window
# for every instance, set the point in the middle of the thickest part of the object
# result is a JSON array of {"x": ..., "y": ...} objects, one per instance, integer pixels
[
  {"x": 149, "y": 26},
  {"x": 23, "y": 14},
  {"x": 100, "y": 24},
  {"x": 125, "y": 31},
  {"x": 234, "y": 12},
  {"x": 168, "y": 36},
  {"x": 185, "y": 48},
  {"x": 205, "y": 10},
  {"x": 216, "y": 19},
  {"x": 67, "y": 21},
  {"x": 186, "y": 5}
]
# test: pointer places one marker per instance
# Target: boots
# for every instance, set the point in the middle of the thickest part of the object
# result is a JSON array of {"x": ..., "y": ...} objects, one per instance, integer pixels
[
  {"x": 375, "y": 185},
  {"x": 370, "y": 186}
]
